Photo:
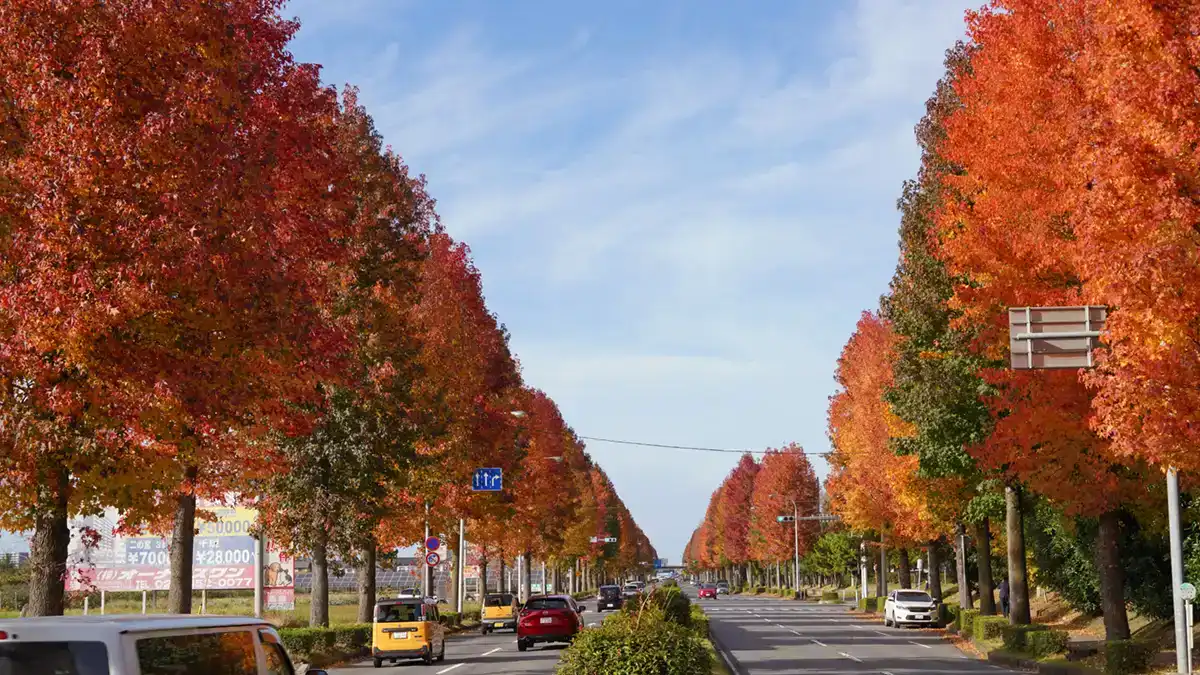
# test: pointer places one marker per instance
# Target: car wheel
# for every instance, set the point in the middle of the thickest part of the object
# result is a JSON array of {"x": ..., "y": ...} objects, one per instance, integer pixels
[
  {"x": 483, "y": 630},
  {"x": 428, "y": 658},
  {"x": 378, "y": 663},
  {"x": 442, "y": 654},
  {"x": 521, "y": 646}
]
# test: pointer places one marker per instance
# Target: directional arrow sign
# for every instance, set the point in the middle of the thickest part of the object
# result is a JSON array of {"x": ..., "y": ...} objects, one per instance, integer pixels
[
  {"x": 433, "y": 559},
  {"x": 488, "y": 480}
]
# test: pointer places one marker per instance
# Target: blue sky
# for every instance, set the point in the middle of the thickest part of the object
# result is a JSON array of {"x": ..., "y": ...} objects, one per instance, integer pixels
[{"x": 679, "y": 208}]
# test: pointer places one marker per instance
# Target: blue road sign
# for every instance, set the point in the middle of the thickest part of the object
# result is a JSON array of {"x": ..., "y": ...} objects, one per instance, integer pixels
[
  {"x": 433, "y": 544},
  {"x": 660, "y": 563},
  {"x": 488, "y": 480}
]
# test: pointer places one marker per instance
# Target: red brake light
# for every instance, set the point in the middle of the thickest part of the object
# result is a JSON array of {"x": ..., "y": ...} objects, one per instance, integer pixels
[{"x": 3, "y": 635}]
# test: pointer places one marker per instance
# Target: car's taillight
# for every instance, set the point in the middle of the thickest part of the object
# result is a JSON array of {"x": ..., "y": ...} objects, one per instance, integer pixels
[{"x": 3, "y": 635}]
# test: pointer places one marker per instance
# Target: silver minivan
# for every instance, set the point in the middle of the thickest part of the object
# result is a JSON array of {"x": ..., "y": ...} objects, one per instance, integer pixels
[{"x": 142, "y": 645}]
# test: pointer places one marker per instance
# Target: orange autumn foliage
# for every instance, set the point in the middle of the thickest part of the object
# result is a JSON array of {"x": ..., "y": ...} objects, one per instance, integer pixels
[{"x": 869, "y": 486}]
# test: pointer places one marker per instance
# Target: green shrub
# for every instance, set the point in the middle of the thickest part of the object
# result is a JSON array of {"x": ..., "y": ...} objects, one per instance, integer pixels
[
  {"x": 449, "y": 619},
  {"x": 1036, "y": 640},
  {"x": 966, "y": 622},
  {"x": 1123, "y": 657},
  {"x": 871, "y": 604},
  {"x": 673, "y": 604},
  {"x": 988, "y": 627},
  {"x": 300, "y": 642},
  {"x": 641, "y": 644},
  {"x": 699, "y": 621},
  {"x": 830, "y": 596}
]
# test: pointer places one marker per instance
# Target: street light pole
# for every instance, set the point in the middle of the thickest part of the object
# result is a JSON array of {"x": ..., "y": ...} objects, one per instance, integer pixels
[{"x": 796, "y": 544}]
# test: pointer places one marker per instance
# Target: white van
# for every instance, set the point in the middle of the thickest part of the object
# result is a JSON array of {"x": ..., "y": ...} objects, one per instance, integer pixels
[{"x": 142, "y": 645}]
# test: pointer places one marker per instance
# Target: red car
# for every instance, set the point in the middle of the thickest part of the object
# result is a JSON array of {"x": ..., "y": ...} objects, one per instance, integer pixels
[
  {"x": 708, "y": 591},
  {"x": 548, "y": 618}
]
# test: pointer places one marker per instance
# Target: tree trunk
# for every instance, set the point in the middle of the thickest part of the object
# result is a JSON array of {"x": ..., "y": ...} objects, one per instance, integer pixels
[
  {"x": 483, "y": 580},
  {"x": 179, "y": 597},
  {"x": 319, "y": 609},
  {"x": 960, "y": 563},
  {"x": 983, "y": 551},
  {"x": 366, "y": 584},
  {"x": 48, "y": 549},
  {"x": 1018, "y": 580},
  {"x": 503, "y": 577},
  {"x": 935, "y": 569},
  {"x": 905, "y": 569},
  {"x": 1112, "y": 577},
  {"x": 452, "y": 561},
  {"x": 881, "y": 578},
  {"x": 527, "y": 586}
]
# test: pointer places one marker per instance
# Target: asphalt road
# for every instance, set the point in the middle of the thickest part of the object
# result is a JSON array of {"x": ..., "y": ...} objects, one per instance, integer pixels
[
  {"x": 475, "y": 654},
  {"x": 771, "y": 636}
]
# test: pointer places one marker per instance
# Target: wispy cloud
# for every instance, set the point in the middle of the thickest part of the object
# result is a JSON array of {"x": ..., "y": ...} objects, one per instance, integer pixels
[{"x": 679, "y": 231}]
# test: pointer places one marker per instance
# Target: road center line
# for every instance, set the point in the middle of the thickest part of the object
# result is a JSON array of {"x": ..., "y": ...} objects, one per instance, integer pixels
[
  {"x": 491, "y": 652},
  {"x": 920, "y": 645},
  {"x": 851, "y": 657},
  {"x": 446, "y": 670}
]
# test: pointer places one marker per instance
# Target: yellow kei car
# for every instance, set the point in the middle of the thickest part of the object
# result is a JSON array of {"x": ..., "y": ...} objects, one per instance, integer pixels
[
  {"x": 499, "y": 612},
  {"x": 407, "y": 628}
]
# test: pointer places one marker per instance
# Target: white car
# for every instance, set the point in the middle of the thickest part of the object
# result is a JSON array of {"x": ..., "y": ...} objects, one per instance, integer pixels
[
  {"x": 133, "y": 643},
  {"x": 907, "y": 606}
]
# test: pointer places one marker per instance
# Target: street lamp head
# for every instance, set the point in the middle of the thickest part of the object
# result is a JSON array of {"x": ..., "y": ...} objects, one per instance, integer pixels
[{"x": 517, "y": 413}]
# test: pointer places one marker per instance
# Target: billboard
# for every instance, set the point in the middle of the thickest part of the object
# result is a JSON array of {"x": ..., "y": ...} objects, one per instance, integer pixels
[{"x": 223, "y": 556}]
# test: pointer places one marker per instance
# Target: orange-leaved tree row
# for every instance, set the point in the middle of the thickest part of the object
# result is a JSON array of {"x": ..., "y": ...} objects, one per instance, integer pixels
[
  {"x": 740, "y": 535},
  {"x": 169, "y": 231},
  {"x": 1071, "y": 190},
  {"x": 871, "y": 487},
  {"x": 785, "y": 485}
]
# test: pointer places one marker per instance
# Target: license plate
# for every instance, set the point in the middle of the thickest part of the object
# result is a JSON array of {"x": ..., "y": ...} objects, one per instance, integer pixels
[
  {"x": 922, "y": 616},
  {"x": 499, "y": 624},
  {"x": 547, "y": 619},
  {"x": 399, "y": 636}
]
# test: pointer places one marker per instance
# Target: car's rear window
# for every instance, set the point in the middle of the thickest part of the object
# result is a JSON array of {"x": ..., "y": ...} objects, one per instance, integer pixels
[
  {"x": 547, "y": 603},
  {"x": 398, "y": 613},
  {"x": 609, "y": 590},
  {"x": 502, "y": 600},
  {"x": 913, "y": 597},
  {"x": 228, "y": 652},
  {"x": 53, "y": 658}
]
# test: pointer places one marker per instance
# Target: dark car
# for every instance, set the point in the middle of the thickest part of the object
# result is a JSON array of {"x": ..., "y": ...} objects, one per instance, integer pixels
[
  {"x": 548, "y": 618},
  {"x": 609, "y": 598}
]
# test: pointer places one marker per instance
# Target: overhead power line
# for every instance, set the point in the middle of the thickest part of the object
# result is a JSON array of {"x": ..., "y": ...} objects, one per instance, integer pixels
[{"x": 685, "y": 447}]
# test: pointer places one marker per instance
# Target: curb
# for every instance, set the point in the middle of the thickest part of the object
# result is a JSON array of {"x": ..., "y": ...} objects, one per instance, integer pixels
[
  {"x": 730, "y": 662},
  {"x": 1029, "y": 665}
]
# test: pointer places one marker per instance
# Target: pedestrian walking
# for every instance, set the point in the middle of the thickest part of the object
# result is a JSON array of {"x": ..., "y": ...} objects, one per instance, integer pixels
[{"x": 1003, "y": 596}]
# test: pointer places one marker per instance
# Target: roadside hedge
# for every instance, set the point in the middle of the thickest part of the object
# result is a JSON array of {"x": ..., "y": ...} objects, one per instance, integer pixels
[
  {"x": 322, "y": 646},
  {"x": 966, "y": 622},
  {"x": 830, "y": 596},
  {"x": 1035, "y": 640},
  {"x": 871, "y": 604},
  {"x": 673, "y": 604},
  {"x": 988, "y": 627},
  {"x": 1124, "y": 657},
  {"x": 645, "y": 643}
]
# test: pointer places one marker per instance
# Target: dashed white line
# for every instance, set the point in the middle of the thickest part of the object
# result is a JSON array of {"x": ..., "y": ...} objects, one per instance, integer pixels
[
  {"x": 879, "y": 632},
  {"x": 491, "y": 652},
  {"x": 851, "y": 657},
  {"x": 920, "y": 645},
  {"x": 818, "y": 642},
  {"x": 446, "y": 670}
]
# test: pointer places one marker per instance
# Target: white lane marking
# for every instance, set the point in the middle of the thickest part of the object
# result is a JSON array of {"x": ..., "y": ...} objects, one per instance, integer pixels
[
  {"x": 884, "y": 672},
  {"x": 491, "y": 652},
  {"x": 852, "y": 658},
  {"x": 819, "y": 642},
  {"x": 879, "y": 632},
  {"x": 446, "y": 670},
  {"x": 920, "y": 645}
]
